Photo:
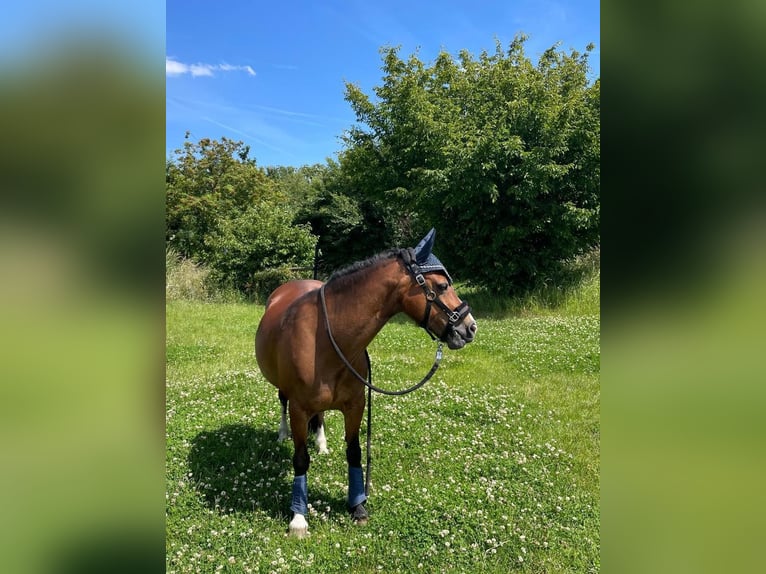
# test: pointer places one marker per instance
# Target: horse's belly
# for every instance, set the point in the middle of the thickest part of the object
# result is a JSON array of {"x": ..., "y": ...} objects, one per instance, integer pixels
[{"x": 289, "y": 357}]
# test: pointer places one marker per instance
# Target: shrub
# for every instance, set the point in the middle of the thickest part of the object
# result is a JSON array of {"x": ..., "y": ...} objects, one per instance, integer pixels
[
  {"x": 264, "y": 282},
  {"x": 262, "y": 237},
  {"x": 500, "y": 154}
]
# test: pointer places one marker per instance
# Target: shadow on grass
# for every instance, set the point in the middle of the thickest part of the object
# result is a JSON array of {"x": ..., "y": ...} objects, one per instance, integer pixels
[{"x": 238, "y": 468}]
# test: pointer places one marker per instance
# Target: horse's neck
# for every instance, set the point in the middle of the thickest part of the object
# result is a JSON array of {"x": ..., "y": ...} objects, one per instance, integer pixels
[{"x": 360, "y": 313}]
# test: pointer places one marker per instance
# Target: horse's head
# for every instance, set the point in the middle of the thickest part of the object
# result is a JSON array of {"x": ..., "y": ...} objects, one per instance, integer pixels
[{"x": 431, "y": 299}]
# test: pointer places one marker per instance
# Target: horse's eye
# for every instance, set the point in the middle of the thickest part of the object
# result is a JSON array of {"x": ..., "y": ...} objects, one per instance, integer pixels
[{"x": 442, "y": 287}]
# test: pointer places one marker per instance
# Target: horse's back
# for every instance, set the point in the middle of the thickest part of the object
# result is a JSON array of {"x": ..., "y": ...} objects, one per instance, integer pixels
[{"x": 270, "y": 329}]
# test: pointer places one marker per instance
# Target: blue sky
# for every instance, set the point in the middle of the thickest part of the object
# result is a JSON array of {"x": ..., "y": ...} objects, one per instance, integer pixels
[{"x": 272, "y": 74}]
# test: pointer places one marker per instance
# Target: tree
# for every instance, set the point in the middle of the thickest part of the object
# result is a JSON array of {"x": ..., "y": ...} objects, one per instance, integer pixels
[
  {"x": 500, "y": 155},
  {"x": 349, "y": 226},
  {"x": 225, "y": 211},
  {"x": 206, "y": 183}
]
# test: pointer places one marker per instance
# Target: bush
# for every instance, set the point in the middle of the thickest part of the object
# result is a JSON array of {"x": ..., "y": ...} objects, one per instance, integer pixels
[
  {"x": 264, "y": 282},
  {"x": 500, "y": 154},
  {"x": 260, "y": 238}
]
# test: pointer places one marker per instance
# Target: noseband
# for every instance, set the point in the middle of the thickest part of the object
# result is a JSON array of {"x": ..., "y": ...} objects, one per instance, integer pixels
[{"x": 454, "y": 316}]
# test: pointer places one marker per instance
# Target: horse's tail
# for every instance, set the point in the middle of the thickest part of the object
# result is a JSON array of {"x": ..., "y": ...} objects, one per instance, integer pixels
[{"x": 315, "y": 422}]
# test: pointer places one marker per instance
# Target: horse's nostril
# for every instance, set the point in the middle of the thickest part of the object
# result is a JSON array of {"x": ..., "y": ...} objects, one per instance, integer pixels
[{"x": 473, "y": 327}]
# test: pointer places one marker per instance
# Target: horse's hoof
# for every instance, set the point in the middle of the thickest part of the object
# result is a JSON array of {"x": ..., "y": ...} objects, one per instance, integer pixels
[
  {"x": 298, "y": 528},
  {"x": 359, "y": 515}
]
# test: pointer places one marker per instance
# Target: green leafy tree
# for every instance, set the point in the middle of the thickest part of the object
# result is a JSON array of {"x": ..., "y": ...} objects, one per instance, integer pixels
[
  {"x": 299, "y": 185},
  {"x": 206, "y": 183},
  {"x": 225, "y": 211},
  {"x": 499, "y": 154},
  {"x": 349, "y": 226}
]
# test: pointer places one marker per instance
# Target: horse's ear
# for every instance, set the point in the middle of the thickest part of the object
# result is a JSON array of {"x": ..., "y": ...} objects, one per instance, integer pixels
[{"x": 423, "y": 249}]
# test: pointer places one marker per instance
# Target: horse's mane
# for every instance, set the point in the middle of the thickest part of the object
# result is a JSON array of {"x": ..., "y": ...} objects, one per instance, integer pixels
[{"x": 350, "y": 275}]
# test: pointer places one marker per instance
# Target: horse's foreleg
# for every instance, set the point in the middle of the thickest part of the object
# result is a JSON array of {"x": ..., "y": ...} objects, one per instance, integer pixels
[
  {"x": 301, "y": 462},
  {"x": 356, "y": 495},
  {"x": 284, "y": 431}
]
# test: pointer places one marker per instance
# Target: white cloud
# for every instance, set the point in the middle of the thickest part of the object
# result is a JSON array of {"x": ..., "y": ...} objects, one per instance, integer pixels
[
  {"x": 173, "y": 68},
  {"x": 230, "y": 68},
  {"x": 176, "y": 68},
  {"x": 201, "y": 70}
]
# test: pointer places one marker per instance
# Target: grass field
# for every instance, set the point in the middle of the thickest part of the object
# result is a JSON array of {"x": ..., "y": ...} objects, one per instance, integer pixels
[{"x": 492, "y": 466}]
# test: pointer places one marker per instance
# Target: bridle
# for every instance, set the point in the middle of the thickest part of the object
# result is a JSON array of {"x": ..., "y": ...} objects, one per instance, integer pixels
[{"x": 454, "y": 316}]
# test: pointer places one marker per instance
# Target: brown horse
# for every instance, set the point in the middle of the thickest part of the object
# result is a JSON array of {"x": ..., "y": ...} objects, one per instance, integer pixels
[{"x": 295, "y": 353}]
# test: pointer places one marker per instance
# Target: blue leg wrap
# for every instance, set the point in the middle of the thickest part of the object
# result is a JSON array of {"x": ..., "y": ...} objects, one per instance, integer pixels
[
  {"x": 355, "y": 486},
  {"x": 300, "y": 495}
]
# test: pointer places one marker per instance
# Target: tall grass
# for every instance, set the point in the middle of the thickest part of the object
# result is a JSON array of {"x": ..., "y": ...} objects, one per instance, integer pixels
[{"x": 186, "y": 280}]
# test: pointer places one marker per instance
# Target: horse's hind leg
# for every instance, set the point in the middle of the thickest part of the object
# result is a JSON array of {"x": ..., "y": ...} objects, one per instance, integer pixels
[
  {"x": 284, "y": 431},
  {"x": 301, "y": 461},
  {"x": 316, "y": 425}
]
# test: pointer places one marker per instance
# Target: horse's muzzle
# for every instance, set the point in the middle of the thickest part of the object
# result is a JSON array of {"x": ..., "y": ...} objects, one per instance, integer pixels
[{"x": 458, "y": 337}]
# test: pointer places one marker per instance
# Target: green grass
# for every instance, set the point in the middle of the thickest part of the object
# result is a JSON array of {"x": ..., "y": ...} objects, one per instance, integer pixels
[{"x": 492, "y": 466}]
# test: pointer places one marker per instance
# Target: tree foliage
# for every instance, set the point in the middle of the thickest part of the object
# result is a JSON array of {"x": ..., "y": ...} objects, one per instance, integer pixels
[
  {"x": 500, "y": 155},
  {"x": 261, "y": 237},
  {"x": 225, "y": 211},
  {"x": 208, "y": 182},
  {"x": 348, "y": 224}
]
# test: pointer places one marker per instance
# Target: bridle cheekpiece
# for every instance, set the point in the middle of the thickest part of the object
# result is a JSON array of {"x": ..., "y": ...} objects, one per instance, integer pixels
[{"x": 454, "y": 316}]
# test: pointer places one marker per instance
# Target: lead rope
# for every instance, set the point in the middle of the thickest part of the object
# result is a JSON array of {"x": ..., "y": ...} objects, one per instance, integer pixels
[
  {"x": 369, "y": 426},
  {"x": 368, "y": 382},
  {"x": 350, "y": 367}
]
